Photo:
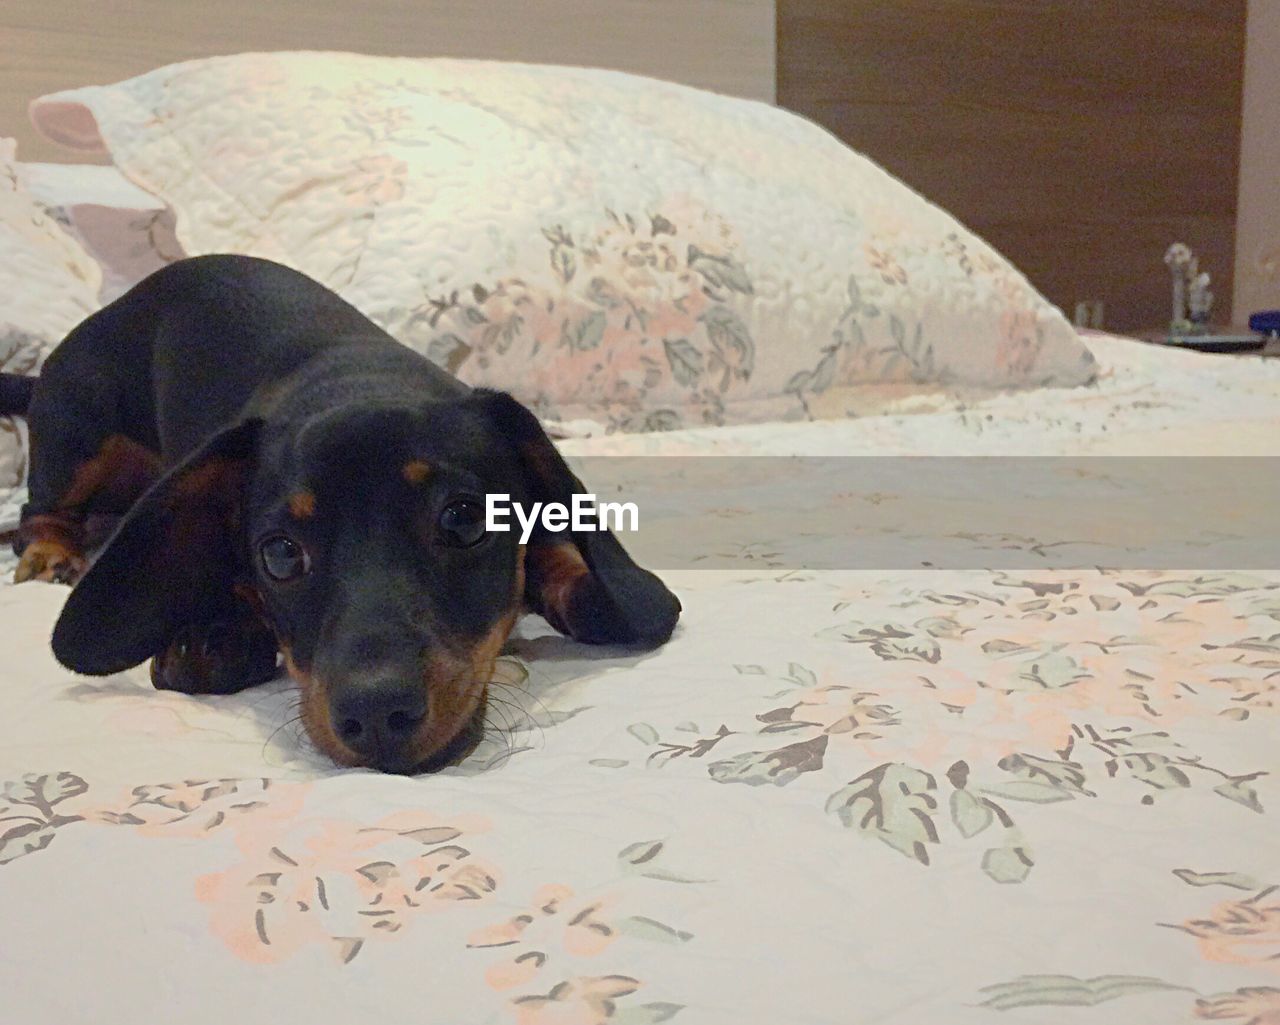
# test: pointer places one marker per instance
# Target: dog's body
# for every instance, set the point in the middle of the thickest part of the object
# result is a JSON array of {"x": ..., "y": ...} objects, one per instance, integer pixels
[{"x": 294, "y": 479}]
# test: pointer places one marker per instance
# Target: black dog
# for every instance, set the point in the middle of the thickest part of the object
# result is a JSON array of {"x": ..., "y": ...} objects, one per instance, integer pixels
[{"x": 295, "y": 480}]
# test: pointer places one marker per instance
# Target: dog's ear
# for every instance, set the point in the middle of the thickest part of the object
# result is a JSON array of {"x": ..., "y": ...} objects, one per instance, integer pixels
[
  {"x": 172, "y": 561},
  {"x": 584, "y": 584}
]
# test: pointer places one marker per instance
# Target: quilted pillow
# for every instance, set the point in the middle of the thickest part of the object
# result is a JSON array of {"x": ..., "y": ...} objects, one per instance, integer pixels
[
  {"x": 602, "y": 245},
  {"x": 128, "y": 232},
  {"x": 49, "y": 285}
]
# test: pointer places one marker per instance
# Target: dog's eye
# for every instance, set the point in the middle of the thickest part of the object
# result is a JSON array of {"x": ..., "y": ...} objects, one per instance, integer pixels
[
  {"x": 283, "y": 558},
  {"x": 462, "y": 523}
]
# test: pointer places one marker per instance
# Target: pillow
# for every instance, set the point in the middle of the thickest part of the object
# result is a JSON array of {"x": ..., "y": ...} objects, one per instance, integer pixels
[
  {"x": 49, "y": 285},
  {"x": 602, "y": 245},
  {"x": 127, "y": 230}
]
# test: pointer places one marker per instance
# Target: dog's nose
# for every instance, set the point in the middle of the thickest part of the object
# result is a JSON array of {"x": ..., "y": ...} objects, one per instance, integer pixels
[{"x": 377, "y": 719}]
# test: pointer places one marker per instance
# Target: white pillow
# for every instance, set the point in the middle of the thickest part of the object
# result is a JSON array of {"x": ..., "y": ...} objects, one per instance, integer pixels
[
  {"x": 602, "y": 245},
  {"x": 127, "y": 230},
  {"x": 49, "y": 285}
]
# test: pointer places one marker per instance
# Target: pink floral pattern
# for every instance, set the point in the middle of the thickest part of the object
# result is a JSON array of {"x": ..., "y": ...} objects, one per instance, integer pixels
[
  {"x": 1242, "y": 932},
  {"x": 1239, "y": 932},
  {"x": 640, "y": 310},
  {"x": 1253, "y": 1005},
  {"x": 979, "y": 794},
  {"x": 340, "y": 885},
  {"x": 933, "y": 751},
  {"x": 895, "y": 735},
  {"x": 302, "y": 881},
  {"x": 559, "y": 927}
]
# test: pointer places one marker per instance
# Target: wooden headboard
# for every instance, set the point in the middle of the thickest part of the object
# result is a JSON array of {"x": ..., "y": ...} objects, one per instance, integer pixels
[
  {"x": 1080, "y": 137},
  {"x": 725, "y": 45}
]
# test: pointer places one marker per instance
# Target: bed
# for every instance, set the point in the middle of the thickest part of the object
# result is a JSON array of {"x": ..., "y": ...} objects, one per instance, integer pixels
[{"x": 897, "y": 764}]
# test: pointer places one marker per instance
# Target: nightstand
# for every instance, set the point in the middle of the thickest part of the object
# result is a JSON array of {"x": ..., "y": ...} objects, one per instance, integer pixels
[{"x": 1231, "y": 341}]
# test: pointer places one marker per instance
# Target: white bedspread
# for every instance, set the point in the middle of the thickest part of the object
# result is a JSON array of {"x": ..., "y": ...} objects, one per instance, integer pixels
[{"x": 908, "y": 796}]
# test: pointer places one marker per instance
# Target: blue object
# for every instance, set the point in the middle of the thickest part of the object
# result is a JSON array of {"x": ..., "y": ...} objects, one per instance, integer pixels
[{"x": 1266, "y": 322}]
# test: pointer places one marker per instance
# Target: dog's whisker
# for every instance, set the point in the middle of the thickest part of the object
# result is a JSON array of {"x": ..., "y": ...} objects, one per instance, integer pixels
[
  {"x": 523, "y": 692},
  {"x": 291, "y": 720},
  {"x": 496, "y": 734},
  {"x": 524, "y": 719},
  {"x": 511, "y": 711},
  {"x": 501, "y": 701}
]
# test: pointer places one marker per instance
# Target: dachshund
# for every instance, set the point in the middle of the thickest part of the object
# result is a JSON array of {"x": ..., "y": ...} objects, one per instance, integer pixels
[{"x": 294, "y": 482}]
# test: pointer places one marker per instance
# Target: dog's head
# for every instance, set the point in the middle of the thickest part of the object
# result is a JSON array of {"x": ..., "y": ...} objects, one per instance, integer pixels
[{"x": 359, "y": 536}]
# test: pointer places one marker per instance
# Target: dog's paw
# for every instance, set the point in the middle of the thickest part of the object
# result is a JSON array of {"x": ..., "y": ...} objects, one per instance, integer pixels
[
  {"x": 222, "y": 657},
  {"x": 50, "y": 562}
]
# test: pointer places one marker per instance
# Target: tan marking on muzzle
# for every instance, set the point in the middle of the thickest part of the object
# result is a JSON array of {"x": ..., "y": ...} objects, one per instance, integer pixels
[
  {"x": 455, "y": 698},
  {"x": 314, "y": 711}
]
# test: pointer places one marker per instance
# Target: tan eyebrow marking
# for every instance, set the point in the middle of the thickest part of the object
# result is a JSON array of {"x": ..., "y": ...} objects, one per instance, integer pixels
[
  {"x": 415, "y": 471},
  {"x": 302, "y": 505}
]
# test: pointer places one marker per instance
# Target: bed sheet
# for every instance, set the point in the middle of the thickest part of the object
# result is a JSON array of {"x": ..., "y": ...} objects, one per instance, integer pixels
[{"x": 899, "y": 796}]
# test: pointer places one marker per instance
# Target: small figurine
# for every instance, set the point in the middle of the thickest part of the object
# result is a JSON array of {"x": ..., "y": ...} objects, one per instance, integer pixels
[
  {"x": 1200, "y": 301},
  {"x": 1192, "y": 300}
]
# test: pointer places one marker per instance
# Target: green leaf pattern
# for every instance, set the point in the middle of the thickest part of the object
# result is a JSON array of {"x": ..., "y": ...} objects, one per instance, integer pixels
[
  {"x": 951, "y": 725},
  {"x": 637, "y": 306},
  {"x": 820, "y": 727}
]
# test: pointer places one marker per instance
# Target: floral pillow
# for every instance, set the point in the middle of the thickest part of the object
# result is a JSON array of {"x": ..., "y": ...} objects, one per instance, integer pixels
[
  {"x": 602, "y": 245},
  {"x": 49, "y": 285},
  {"x": 128, "y": 232}
]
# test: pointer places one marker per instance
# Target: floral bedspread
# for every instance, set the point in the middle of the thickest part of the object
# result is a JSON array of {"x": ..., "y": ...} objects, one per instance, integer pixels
[{"x": 965, "y": 796}]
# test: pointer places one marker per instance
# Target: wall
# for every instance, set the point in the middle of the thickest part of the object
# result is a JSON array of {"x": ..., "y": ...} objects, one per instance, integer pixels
[
  {"x": 47, "y": 45},
  {"x": 1080, "y": 137},
  {"x": 1258, "y": 230}
]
